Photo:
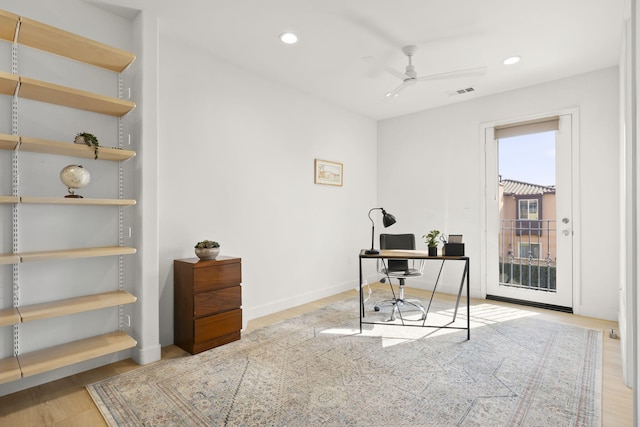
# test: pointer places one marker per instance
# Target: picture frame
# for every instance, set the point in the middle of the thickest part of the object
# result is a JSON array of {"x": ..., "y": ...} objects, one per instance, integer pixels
[{"x": 328, "y": 172}]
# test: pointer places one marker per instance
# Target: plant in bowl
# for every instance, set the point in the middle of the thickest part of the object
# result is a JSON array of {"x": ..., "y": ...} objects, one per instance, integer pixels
[
  {"x": 207, "y": 249},
  {"x": 88, "y": 139}
]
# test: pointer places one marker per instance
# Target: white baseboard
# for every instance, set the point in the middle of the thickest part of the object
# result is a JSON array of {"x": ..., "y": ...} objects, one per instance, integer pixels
[{"x": 294, "y": 301}]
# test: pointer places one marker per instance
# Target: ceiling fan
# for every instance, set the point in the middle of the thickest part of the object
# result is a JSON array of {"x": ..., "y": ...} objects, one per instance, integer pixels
[{"x": 410, "y": 77}]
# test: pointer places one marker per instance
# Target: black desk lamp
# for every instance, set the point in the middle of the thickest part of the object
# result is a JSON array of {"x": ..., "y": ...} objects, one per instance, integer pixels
[{"x": 387, "y": 220}]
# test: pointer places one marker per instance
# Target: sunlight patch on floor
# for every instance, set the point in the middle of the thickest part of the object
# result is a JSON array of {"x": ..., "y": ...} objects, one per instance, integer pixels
[{"x": 394, "y": 332}]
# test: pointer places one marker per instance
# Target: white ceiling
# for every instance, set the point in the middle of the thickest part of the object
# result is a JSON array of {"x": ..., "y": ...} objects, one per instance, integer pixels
[{"x": 556, "y": 39}]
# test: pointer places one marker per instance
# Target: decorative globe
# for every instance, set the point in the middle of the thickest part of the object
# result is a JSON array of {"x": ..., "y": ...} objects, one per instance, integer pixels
[{"x": 74, "y": 177}]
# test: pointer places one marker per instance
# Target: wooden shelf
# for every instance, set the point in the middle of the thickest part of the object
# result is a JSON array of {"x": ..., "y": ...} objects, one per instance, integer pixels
[
  {"x": 8, "y": 316},
  {"x": 9, "y": 199},
  {"x": 9, "y": 259},
  {"x": 44, "y": 146},
  {"x": 75, "y": 352},
  {"x": 8, "y": 83},
  {"x": 9, "y": 370},
  {"x": 8, "y": 24},
  {"x": 54, "y": 40},
  {"x": 60, "y": 42},
  {"x": 9, "y": 142},
  {"x": 74, "y": 305},
  {"x": 74, "y": 201},
  {"x": 38, "y": 90},
  {"x": 74, "y": 98},
  {"x": 76, "y": 253},
  {"x": 65, "y": 201}
]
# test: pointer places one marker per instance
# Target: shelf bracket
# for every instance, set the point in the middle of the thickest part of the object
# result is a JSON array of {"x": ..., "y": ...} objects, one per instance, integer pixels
[
  {"x": 15, "y": 130},
  {"x": 17, "y": 32},
  {"x": 121, "y": 315}
]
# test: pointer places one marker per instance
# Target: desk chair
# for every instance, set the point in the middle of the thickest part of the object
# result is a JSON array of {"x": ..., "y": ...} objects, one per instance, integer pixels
[{"x": 400, "y": 269}]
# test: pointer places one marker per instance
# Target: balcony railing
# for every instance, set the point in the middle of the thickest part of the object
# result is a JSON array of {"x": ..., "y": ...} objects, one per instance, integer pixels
[{"x": 528, "y": 254}]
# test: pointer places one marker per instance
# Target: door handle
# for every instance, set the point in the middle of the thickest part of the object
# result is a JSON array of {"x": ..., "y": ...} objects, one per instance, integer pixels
[
  {"x": 565, "y": 232},
  {"x": 565, "y": 220}
]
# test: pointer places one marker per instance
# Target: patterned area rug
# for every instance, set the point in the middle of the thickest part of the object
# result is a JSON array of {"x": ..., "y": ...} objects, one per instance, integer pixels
[{"x": 318, "y": 370}]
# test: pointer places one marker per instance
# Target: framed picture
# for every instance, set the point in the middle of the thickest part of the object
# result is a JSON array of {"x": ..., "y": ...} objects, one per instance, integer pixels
[{"x": 328, "y": 173}]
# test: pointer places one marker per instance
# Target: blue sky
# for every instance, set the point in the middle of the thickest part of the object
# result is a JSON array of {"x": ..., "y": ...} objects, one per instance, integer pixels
[{"x": 528, "y": 158}]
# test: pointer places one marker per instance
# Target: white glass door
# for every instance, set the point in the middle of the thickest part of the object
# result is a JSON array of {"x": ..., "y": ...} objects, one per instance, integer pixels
[{"x": 529, "y": 219}]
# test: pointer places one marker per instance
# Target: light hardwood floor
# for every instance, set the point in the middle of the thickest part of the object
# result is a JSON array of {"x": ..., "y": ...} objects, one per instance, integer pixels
[{"x": 65, "y": 402}]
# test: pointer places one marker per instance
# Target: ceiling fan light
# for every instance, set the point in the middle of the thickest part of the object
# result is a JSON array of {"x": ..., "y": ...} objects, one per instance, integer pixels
[
  {"x": 288, "y": 38},
  {"x": 512, "y": 60}
]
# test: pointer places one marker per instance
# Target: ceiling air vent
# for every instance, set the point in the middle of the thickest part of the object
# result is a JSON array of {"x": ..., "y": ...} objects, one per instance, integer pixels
[{"x": 460, "y": 91}]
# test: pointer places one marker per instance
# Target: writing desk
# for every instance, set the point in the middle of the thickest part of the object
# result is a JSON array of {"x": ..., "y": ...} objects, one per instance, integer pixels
[{"x": 413, "y": 254}]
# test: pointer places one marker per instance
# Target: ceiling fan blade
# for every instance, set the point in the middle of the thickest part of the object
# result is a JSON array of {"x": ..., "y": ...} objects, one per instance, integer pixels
[
  {"x": 373, "y": 61},
  {"x": 469, "y": 72},
  {"x": 394, "y": 93}
]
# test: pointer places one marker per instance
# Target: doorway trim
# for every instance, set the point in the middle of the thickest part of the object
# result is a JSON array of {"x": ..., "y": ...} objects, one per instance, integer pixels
[{"x": 485, "y": 193}]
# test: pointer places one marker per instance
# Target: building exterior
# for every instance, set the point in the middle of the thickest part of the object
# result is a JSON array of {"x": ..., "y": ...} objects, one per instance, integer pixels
[{"x": 527, "y": 240}]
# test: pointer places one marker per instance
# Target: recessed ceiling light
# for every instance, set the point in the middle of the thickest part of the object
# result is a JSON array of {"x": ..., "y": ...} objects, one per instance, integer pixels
[
  {"x": 511, "y": 60},
  {"x": 288, "y": 38}
]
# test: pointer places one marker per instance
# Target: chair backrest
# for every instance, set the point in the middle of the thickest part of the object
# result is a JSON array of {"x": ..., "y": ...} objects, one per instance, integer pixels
[{"x": 398, "y": 241}]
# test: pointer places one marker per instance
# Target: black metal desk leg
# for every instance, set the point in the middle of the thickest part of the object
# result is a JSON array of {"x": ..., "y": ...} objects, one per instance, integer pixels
[
  {"x": 468, "y": 302},
  {"x": 465, "y": 274},
  {"x": 361, "y": 296}
]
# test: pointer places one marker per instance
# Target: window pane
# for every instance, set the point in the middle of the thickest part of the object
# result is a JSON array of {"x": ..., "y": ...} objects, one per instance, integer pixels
[
  {"x": 530, "y": 250},
  {"x": 523, "y": 209},
  {"x": 533, "y": 209}
]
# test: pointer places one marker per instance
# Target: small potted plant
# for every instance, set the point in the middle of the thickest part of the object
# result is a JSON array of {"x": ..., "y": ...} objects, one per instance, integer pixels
[
  {"x": 207, "y": 249},
  {"x": 88, "y": 139},
  {"x": 432, "y": 242}
]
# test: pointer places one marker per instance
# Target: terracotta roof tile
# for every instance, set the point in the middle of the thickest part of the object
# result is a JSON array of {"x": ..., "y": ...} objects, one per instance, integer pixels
[{"x": 517, "y": 188}]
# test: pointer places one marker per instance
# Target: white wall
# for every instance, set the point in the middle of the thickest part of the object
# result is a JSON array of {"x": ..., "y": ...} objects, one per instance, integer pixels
[
  {"x": 429, "y": 171},
  {"x": 236, "y": 166}
]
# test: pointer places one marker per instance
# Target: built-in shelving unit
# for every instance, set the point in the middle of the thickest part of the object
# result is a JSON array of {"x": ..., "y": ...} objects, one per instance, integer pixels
[{"x": 37, "y": 35}]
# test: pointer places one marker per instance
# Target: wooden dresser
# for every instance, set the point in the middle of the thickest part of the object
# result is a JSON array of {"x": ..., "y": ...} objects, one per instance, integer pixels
[{"x": 207, "y": 301}]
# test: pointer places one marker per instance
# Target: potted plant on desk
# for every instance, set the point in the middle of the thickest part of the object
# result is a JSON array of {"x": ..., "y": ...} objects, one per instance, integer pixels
[{"x": 432, "y": 242}]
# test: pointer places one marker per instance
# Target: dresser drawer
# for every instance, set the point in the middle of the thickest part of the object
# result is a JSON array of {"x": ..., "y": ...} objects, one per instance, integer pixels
[
  {"x": 211, "y": 302},
  {"x": 211, "y": 327},
  {"x": 217, "y": 276}
]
